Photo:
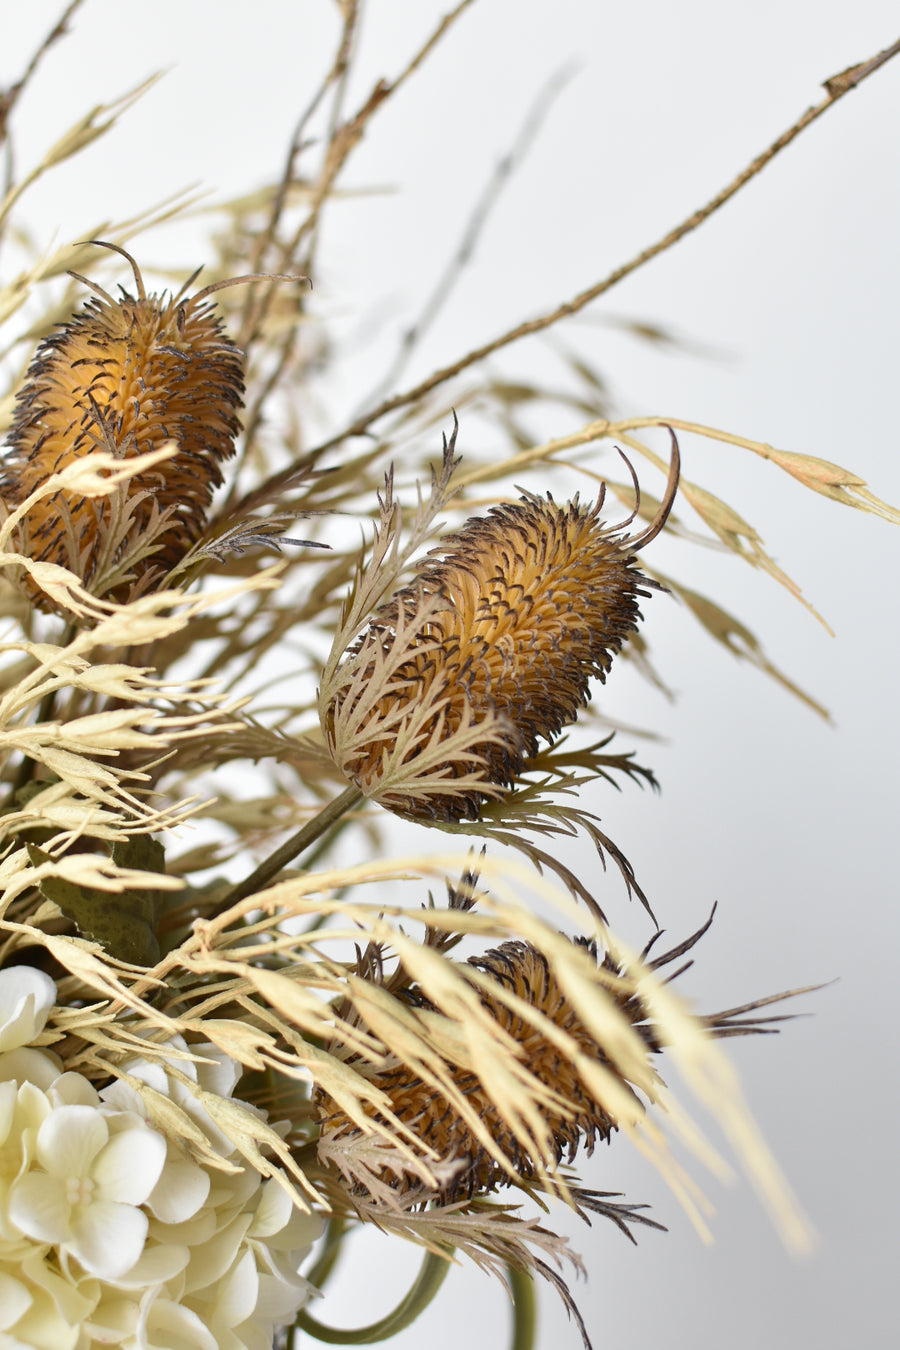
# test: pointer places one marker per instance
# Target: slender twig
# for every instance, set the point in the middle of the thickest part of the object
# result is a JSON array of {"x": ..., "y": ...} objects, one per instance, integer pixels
[
  {"x": 341, "y": 142},
  {"x": 11, "y": 95},
  {"x": 465, "y": 251},
  {"x": 260, "y": 878},
  {"x": 836, "y": 87},
  {"x": 338, "y": 67}
]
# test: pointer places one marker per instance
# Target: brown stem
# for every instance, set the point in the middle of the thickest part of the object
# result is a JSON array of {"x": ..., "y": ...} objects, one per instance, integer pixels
[
  {"x": 260, "y": 878},
  {"x": 836, "y": 87}
]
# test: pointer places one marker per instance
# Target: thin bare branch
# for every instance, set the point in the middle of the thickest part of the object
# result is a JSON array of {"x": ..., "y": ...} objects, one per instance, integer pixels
[
  {"x": 464, "y": 253},
  {"x": 836, "y": 87},
  {"x": 10, "y": 96}
]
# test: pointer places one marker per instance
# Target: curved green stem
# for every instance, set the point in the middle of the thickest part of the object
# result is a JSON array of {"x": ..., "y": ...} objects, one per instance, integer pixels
[
  {"x": 521, "y": 1286},
  {"x": 431, "y": 1276},
  {"x": 258, "y": 880},
  {"x": 331, "y": 1250}
]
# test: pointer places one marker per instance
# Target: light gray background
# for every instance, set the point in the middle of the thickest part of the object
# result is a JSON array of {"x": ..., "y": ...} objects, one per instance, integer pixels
[{"x": 792, "y": 294}]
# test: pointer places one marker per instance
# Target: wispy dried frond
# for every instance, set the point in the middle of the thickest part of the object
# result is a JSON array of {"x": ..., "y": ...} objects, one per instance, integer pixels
[
  {"x": 819, "y": 475},
  {"x": 728, "y": 630},
  {"x": 541, "y": 807},
  {"x": 381, "y": 565},
  {"x": 311, "y": 1024},
  {"x": 440, "y": 1031},
  {"x": 83, "y": 133}
]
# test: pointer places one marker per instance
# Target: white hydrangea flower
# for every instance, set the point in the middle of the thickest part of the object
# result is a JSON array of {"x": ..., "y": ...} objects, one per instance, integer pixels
[
  {"x": 26, "y": 997},
  {"x": 84, "y": 1194},
  {"x": 109, "y": 1235}
]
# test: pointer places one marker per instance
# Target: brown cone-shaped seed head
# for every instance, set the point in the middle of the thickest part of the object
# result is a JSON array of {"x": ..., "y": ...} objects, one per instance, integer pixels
[
  {"x": 126, "y": 376},
  {"x": 525, "y": 972},
  {"x": 524, "y": 607},
  {"x": 520, "y": 969}
]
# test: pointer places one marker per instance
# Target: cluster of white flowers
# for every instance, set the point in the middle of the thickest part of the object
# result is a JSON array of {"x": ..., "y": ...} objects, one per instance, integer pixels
[{"x": 109, "y": 1234}]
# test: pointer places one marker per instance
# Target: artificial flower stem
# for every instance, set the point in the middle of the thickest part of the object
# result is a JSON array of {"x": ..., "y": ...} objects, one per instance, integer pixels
[
  {"x": 521, "y": 1286},
  {"x": 431, "y": 1276},
  {"x": 260, "y": 878},
  {"x": 331, "y": 1248}
]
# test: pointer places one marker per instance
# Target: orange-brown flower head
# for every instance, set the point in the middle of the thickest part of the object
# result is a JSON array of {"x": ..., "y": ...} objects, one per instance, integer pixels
[
  {"x": 438, "y": 1123},
  {"x": 582, "y": 1118},
  {"x": 126, "y": 376},
  {"x": 503, "y": 627}
]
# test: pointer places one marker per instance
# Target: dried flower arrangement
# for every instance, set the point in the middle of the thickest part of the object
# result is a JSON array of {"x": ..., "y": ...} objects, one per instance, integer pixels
[{"x": 205, "y": 1066}]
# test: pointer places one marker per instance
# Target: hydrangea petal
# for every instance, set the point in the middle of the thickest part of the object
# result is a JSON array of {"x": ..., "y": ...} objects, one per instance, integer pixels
[
  {"x": 107, "y": 1237},
  {"x": 221, "y": 1075},
  {"x": 238, "y": 1293},
  {"x": 72, "y": 1304},
  {"x": 273, "y": 1211},
  {"x": 26, "y": 997},
  {"x": 278, "y": 1300},
  {"x": 15, "y": 1300},
  {"x": 42, "y": 1328},
  {"x": 30, "y": 1066},
  {"x": 215, "y": 1257},
  {"x": 158, "y": 1264},
  {"x": 38, "y": 1207},
  {"x": 70, "y": 1139},
  {"x": 181, "y": 1191},
  {"x": 73, "y": 1089},
  {"x": 8, "y": 1096},
  {"x": 170, "y": 1326},
  {"x": 128, "y": 1167},
  {"x": 113, "y": 1320},
  {"x": 297, "y": 1235}
]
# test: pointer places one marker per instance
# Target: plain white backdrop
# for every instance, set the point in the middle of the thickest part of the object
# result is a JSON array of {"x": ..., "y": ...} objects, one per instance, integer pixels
[{"x": 788, "y": 304}]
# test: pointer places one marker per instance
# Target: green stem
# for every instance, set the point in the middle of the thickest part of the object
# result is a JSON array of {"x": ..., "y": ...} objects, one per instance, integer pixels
[
  {"x": 331, "y": 1250},
  {"x": 310, "y": 832},
  {"x": 521, "y": 1286},
  {"x": 431, "y": 1276}
]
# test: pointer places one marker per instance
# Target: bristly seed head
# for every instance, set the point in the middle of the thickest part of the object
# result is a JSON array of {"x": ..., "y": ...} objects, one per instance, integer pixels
[
  {"x": 581, "y": 1120},
  {"x": 126, "y": 376},
  {"x": 511, "y": 617}
]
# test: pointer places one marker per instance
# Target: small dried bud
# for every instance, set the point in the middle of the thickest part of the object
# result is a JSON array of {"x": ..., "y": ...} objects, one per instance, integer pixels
[
  {"x": 503, "y": 627},
  {"x": 125, "y": 376}
]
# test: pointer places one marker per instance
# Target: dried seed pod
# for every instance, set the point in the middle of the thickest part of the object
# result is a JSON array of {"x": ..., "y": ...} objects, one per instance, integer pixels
[
  {"x": 506, "y": 623},
  {"x": 581, "y": 1120},
  {"x": 126, "y": 376},
  {"x": 525, "y": 972}
]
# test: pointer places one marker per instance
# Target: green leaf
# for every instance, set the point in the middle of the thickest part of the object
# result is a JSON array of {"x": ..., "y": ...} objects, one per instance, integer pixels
[{"x": 124, "y": 922}]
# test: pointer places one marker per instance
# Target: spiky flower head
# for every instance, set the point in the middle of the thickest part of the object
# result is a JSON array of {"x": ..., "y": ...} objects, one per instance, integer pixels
[
  {"x": 125, "y": 376},
  {"x": 488, "y": 651},
  {"x": 529, "y": 1005}
]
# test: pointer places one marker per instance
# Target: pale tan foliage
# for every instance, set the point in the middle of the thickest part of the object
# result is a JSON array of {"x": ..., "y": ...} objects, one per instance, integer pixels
[{"x": 121, "y": 721}]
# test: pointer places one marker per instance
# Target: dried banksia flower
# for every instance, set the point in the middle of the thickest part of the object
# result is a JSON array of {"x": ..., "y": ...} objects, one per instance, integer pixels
[
  {"x": 581, "y": 1118},
  {"x": 125, "y": 376},
  {"x": 488, "y": 651}
]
